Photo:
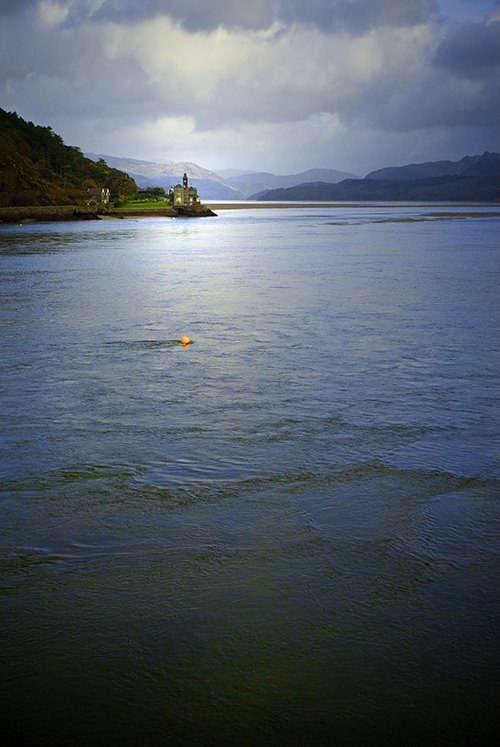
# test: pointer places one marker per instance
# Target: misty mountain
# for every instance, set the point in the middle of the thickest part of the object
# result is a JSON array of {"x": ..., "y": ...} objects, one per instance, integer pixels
[
  {"x": 230, "y": 173},
  {"x": 484, "y": 165},
  {"x": 151, "y": 174},
  {"x": 478, "y": 180},
  {"x": 228, "y": 184},
  {"x": 252, "y": 182}
]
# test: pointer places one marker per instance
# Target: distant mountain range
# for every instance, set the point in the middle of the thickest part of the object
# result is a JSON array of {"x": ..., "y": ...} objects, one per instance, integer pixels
[
  {"x": 37, "y": 168},
  {"x": 231, "y": 184},
  {"x": 473, "y": 178},
  {"x": 251, "y": 182},
  {"x": 151, "y": 174},
  {"x": 484, "y": 165}
]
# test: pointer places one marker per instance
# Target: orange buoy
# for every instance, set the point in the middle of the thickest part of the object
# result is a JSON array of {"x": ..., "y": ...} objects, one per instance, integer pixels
[{"x": 184, "y": 340}]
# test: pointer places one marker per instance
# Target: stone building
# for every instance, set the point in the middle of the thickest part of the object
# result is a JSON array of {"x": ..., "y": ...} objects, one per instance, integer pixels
[
  {"x": 101, "y": 194},
  {"x": 182, "y": 195}
]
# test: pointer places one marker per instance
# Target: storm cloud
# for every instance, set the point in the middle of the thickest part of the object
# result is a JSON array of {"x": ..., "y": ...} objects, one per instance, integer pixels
[
  {"x": 9, "y": 7},
  {"x": 267, "y": 85},
  {"x": 472, "y": 50},
  {"x": 193, "y": 15}
]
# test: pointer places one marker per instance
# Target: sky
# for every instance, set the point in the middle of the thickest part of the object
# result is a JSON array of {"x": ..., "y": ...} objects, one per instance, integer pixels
[{"x": 262, "y": 85}]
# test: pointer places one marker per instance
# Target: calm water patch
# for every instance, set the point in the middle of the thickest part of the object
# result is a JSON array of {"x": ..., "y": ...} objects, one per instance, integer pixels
[{"x": 282, "y": 534}]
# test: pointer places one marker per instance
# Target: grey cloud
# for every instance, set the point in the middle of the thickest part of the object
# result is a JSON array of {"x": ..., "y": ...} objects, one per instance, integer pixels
[
  {"x": 471, "y": 50},
  {"x": 433, "y": 100},
  {"x": 358, "y": 15},
  {"x": 48, "y": 74},
  {"x": 92, "y": 81},
  {"x": 10, "y": 7},
  {"x": 193, "y": 15}
]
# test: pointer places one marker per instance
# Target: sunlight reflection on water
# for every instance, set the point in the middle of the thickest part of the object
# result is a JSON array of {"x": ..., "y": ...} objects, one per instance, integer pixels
[{"x": 283, "y": 533}]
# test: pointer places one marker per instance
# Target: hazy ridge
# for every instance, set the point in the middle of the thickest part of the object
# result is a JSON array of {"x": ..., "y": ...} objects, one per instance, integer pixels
[
  {"x": 232, "y": 184},
  {"x": 473, "y": 178},
  {"x": 37, "y": 168}
]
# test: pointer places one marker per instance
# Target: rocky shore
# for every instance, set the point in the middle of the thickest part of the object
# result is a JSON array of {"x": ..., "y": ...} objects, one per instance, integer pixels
[
  {"x": 198, "y": 211},
  {"x": 50, "y": 214}
]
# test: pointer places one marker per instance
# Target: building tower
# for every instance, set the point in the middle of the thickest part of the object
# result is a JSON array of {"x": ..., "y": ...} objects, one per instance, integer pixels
[{"x": 183, "y": 196}]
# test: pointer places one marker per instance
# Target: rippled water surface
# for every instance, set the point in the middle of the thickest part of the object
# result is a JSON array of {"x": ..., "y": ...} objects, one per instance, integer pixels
[{"x": 283, "y": 534}]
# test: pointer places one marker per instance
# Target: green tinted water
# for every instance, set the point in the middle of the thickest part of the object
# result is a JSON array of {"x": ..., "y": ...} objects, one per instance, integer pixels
[{"x": 283, "y": 534}]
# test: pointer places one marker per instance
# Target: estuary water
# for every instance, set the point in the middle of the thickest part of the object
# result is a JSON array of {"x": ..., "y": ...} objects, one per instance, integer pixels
[{"x": 284, "y": 533}]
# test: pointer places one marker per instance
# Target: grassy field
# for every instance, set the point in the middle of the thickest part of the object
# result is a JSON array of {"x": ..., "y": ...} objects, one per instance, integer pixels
[{"x": 146, "y": 204}]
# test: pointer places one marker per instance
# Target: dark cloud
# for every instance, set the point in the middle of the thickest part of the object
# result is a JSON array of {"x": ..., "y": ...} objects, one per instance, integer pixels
[
  {"x": 281, "y": 77},
  {"x": 466, "y": 10},
  {"x": 471, "y": 51},
  {"x": 358, "y": 15},
  {"x": 9, "y": 7},
  {"x": 425, "y": 104},
  {"x": 193, "y": 15}
]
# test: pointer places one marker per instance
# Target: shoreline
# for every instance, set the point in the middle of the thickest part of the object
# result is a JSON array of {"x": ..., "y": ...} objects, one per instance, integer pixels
[
  {"x": 338, "y": 205},
  {"x": 65, "y": 213}
]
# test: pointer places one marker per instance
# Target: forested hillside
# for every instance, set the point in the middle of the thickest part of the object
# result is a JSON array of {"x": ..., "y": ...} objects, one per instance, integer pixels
[{"x": 37, "y": 168}]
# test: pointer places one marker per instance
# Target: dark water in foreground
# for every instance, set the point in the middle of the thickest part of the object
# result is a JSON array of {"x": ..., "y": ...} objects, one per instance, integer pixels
[{"x": 284, "y": 534}]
